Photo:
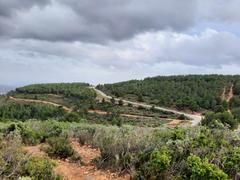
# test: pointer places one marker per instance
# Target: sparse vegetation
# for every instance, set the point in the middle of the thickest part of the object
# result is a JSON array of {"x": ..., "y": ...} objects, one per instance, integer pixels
[{"x": 59, "y": 147}]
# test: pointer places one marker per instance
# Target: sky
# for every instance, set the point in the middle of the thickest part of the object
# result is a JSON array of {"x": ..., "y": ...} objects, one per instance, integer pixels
[{"x": 116, "y": 40}]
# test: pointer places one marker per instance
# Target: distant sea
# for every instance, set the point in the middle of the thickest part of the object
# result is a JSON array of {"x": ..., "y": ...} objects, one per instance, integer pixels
[{"x": 4, "y": 89}]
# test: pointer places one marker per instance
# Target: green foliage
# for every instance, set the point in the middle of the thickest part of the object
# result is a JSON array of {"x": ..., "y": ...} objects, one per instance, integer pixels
[
  {"x": 59, "y": 147},
  {"x": 201, "y": 169},
  {"x": 24, "y": 111},
  {"x": 158, "y": 162},
  {"x": 236, "y": 114},
  {"x": 77, "y": 90},
  {"x": 178, "y": 134},
  {"x": 232, "y": 161},
  {"x": 39, "y": 168},
  {"x": 234, "y": 102},
  {"x": 12, "y": 157},
  {"x": 225, "y": 118},
  {"x": 154, "y": 153},
  {"x": 71, "y": 117},
  {"x": 236, "y": 88}
]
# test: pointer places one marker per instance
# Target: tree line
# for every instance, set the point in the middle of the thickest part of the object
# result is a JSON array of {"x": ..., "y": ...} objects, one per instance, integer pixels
[{"x": 77, "y": 90}]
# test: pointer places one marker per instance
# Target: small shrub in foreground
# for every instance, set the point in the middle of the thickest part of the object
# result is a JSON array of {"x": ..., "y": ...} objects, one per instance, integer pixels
[
  {"x": 59, "y": 147},
  {"x": 39, "y": 168},
  {"x": 202, "y": 169},
  {"x": 153, "y": 165}
]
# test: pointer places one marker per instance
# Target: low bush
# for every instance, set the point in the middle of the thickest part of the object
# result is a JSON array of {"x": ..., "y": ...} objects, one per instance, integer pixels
[
  {"x": 59, "y": 147},
  {"x": 213, "y": 119},
  {"x": 202, "y": 169},
  {"x": 153, "y": 165},
  {"x": 71, "y": 117},
  {"x": 232, "y": 162},
  {"x": 12, "y": 158},
  {"x": 39, "y": 168}
]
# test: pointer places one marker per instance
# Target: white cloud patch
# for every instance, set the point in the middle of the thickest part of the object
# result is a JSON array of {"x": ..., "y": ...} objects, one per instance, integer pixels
[{"x": 145, "y": 55}]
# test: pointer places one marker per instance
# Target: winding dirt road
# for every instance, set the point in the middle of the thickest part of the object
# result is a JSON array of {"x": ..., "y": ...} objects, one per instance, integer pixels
[
  {"x": 41, "y": 101},
  {"x": 195, "y": 119}
]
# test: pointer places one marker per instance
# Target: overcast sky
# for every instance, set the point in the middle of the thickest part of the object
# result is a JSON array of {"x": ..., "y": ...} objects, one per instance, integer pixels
[{"x": 99, "y": 41}]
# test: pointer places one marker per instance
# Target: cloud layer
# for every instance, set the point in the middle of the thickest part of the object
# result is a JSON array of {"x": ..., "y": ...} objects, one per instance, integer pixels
[{"x": 99, "y": 41}]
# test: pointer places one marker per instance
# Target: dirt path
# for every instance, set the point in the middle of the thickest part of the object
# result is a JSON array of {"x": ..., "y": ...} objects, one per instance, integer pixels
[
  {"x": 70, "y": 110},
  {"x": 175, "y": 121},
  {"x": 230, "y": 94},
  {"x": 195, "y": 118},
  {"x": 124, "y": 115},
  {"x": 41, "y": 101},
  {"x": 227, "y": 96},
  {"x": 72, "y": 171}
]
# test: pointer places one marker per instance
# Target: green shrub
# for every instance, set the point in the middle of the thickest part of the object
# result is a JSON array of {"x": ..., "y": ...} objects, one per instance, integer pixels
[
  {"x": 202, "y": 169},
  {"x": 225, "y": 118},
  {"x": 12, "y": 157},
  {"x": 71, "y": 117},
  {"x": 85, "y": 136},
  {"x": 232, "y": 162},
  {"x": 39, "y": 168},
  {"x": 28, "y": 135},
  {"x": 178, "y": 134},
  {"x": 59, "y": 147},
  {"x": 156, "y": 165}
]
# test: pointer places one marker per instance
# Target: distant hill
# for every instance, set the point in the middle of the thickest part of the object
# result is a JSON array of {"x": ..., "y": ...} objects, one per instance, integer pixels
[
  {"x": 190, "y": 92},
  {"x": 4, "y": 89}
]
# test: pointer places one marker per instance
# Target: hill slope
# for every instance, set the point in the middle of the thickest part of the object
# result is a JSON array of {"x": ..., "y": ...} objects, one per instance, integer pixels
[{"x": 192, "y": 92}]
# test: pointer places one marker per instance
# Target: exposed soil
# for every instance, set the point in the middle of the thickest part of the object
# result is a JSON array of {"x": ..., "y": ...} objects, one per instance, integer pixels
[
  {"x": 124, "y": 115},
  {"x": 227, "y": 95},
  {"x": 72, "y": 171},
  {"x": 195, "y": 119},
  {"x": 175, "y": 122},
  {"x": 230, "y": 94},
  {"x": 34, "y": 150}
]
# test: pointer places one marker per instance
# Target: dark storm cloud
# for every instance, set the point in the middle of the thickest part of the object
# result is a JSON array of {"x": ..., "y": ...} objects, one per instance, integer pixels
[
  {"x": 119, "y": 20},
  {"x": 97, "y": 21},
  {"x": 100, "y": 21}
]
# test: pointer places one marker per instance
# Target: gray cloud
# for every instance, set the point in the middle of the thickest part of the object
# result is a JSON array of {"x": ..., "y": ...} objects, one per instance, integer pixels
[
  {"x": 97, "y": 21},
  {"x": 209, "y": 48},
  {"x": 106, "y": 20},
  {"x": 9, "y": 7},
  {"x": 105, "y": 41},
  {"x": 119, "y": 20},
  {"x": 220, "y": 10}
]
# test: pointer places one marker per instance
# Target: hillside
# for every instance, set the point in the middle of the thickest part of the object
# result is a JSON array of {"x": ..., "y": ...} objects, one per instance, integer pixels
[
  {"x": 73, "y": 131},
  {"x": 79, "y": 101},
  {"x": 192, "y": 92}
]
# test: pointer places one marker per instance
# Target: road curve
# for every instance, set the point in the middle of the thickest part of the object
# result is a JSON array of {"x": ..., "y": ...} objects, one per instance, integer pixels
[
  {"x": 41, "y": 101},
  {"x": 195, "y": 119}
]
